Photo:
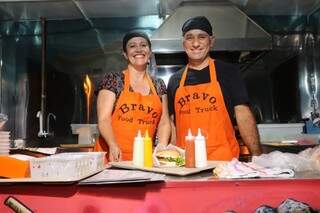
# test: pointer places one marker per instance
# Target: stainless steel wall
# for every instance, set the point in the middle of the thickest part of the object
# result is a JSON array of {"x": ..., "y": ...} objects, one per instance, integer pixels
[
  {"x": 309, "y": 76},
  {"x": 284, "y": 84},
  {"x": 68, "y": 97},
  {"x": 291, "y": 70}
]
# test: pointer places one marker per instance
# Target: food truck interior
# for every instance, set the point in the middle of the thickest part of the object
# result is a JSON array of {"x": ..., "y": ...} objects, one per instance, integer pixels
[{"x": 51, "y": 60}]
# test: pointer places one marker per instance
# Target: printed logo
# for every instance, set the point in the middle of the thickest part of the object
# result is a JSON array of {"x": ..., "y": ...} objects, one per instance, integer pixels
[
  {"x": 196, "y": 96},
  {"x": 133, "y": 107},
  {"x": 149, "y": 119},
  {"x": 210, "y": 100}
]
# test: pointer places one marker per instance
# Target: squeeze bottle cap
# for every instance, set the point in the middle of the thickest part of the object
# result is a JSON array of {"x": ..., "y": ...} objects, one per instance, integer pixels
[
  {"x": 146, "y": 136},
  {"x": 138, "y": 137},
  {"x": 200, "y": 136},
  {"x": 189, "y": 137}
]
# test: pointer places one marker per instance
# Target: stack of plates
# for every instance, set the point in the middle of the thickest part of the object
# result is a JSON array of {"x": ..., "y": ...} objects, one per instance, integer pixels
[{"x": 4, "y": 142}]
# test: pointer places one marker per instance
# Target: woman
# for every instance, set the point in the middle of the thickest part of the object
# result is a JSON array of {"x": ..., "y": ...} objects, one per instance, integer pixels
[{"x": 130, "y": 101}]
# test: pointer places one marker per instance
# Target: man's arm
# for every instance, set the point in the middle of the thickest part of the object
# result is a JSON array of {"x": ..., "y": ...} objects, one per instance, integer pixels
[{"x": 248, "y": 128}]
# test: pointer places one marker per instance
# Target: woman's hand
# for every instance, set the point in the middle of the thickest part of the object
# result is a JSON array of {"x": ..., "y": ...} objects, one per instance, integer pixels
[{"x": 115, "y": 153}]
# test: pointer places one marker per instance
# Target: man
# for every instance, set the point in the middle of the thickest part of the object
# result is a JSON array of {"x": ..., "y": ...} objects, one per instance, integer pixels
[{"x": 208, "y": 94}]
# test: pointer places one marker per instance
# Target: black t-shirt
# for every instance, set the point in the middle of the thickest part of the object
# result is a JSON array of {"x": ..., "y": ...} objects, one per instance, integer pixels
[{"x": 228, "y": 75}]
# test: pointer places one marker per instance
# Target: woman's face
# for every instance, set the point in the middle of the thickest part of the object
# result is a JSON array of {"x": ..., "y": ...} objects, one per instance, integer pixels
[{"x": 137, "y": 51}]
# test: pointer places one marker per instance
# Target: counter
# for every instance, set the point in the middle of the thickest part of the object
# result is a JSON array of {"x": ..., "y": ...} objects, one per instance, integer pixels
[{"x": 197, "y": 193}]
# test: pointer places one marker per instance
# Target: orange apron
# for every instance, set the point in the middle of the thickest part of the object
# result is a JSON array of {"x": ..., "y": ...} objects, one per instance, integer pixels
[
  {"x": 133, "y": 112},
  {"x": 202, "y": 106}
]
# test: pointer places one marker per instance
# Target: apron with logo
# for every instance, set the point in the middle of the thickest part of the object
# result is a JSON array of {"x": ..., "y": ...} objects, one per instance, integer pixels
[
  {"x": 133, "y": 112},
  {"x": 202, "y": 106}
]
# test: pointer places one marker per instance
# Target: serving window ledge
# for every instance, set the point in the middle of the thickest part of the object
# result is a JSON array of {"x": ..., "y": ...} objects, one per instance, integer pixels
[{"x": 197, "y": 193}]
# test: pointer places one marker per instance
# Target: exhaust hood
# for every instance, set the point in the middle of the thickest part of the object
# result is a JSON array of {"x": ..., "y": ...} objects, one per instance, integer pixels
[{"x": 233, "y": 29}]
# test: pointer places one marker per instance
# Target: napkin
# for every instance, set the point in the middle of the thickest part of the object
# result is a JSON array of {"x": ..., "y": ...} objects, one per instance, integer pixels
[{"x": 237, "y": 169}]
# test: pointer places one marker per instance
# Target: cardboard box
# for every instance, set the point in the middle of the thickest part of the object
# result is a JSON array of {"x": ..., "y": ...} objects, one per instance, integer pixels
[{"x": 13, "y": 168}]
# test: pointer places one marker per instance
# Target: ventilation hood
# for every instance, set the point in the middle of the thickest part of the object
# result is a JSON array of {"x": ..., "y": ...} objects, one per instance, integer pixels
[{"x": 233, "y": 29}]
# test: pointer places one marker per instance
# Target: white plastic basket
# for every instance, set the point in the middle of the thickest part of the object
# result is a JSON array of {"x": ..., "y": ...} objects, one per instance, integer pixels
[
  {"x": 96, "y": 158},
  {"x": 67, "y": 165},
  {"x": 278, "y": 132}
]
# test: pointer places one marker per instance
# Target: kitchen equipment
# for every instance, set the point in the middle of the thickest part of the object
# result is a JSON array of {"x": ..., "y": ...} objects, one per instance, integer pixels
[
  {"x": 19, "y": 144},
  {"x": 87, "y": 132},
  {"x": 3, "y": 119},
  {"x": 312, "y": 128}
]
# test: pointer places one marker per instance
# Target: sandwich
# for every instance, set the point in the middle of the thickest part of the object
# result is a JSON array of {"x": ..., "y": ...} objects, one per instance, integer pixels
[{"x": 170, "y": 158}]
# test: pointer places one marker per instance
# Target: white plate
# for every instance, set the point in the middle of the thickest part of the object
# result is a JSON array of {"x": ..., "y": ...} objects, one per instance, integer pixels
[
  {"x": 4, "y": 149},
  {"x": 4, "y": 144}
]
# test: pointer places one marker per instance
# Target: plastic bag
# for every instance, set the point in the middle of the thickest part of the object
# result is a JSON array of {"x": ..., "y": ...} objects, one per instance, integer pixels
[
  {"x": 282, "y": 160},
  {"x": 312, "y": 154}
]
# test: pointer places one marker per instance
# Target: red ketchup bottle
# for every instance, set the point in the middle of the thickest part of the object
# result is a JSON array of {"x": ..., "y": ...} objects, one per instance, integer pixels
[{"x": 190, "y": 155}]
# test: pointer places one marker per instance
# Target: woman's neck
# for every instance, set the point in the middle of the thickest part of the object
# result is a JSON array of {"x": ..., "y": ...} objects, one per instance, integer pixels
[
  {"x": 138, "y": 80},
  {"x": 137, "y": 74}
]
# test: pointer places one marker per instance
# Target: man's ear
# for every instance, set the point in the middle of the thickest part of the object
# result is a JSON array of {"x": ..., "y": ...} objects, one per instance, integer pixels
[
  {"x": 212, "y": 40},
  {"x": 125, "y": 55}
]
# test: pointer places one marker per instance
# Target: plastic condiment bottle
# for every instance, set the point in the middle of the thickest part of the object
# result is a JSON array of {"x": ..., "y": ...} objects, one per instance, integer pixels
[
  {"x": 190, "y": 153},
  {"x": 147, "y": 150},
  {"x": 138, "y": 150},
  {"x": 200, "y": 150}
]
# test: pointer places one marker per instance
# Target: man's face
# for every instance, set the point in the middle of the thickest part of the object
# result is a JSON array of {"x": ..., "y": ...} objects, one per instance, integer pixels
[{"x": 197, "y": 44}]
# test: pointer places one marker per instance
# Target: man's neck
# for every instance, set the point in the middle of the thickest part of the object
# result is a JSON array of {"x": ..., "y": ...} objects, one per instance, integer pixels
[{"x": 199, "y": 64}]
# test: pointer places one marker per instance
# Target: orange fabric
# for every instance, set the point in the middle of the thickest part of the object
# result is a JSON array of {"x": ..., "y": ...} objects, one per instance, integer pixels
[
  {"x": 13, "y": 168},
  {"x": 202, "y": 106},
  {"x": 133, "y": 112}
]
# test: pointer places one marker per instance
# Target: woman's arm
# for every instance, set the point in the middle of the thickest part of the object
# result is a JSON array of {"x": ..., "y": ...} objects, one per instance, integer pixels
[
  {"x": 173, "y": 130},
  {"x": 105, "y": 103},
  {"x": 164, "y": 123}
]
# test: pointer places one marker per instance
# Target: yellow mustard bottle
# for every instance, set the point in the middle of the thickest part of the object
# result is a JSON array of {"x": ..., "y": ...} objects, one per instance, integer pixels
[{"x": 147, "y": 150}]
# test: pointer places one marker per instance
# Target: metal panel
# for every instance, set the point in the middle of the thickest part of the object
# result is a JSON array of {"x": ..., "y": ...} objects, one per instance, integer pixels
[
  {"x": 309, "y": 77},
  {"x": 119, "y": 8},
  {"x": 69, "y": 9},
  {"x": 34, "y": 10},
  {"x": 241, "y": 34}
]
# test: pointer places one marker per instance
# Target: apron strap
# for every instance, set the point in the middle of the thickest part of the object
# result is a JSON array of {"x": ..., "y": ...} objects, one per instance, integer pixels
[{"x": 126, "y": 80}]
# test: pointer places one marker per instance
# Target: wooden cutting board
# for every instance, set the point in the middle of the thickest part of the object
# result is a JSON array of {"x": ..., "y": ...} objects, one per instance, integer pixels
[{"x": 180, "y": 171}]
